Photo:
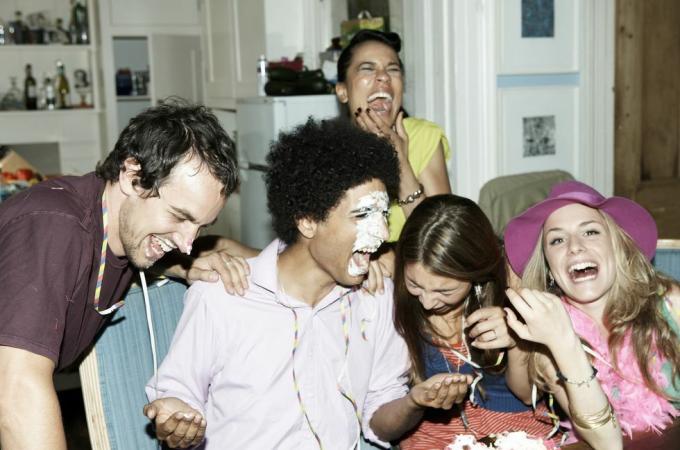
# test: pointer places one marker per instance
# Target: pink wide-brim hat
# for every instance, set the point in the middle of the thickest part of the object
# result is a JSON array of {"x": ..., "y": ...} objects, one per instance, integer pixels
[{"x": 522, "y": 232}]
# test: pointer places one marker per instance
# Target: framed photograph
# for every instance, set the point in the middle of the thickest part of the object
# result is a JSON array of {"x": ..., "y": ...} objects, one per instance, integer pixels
[
  {"x": 537, "y": 36},
  {"x": 538, "y": 129}
]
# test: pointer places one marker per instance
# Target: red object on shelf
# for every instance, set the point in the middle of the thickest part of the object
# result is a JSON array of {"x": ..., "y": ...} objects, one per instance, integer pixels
[{"x": 297, "y": 64}]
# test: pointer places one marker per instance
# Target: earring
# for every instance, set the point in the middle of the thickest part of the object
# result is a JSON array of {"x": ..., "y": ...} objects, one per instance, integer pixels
[
  {"x": 478, "y": 290},
  {"x": 551, "y": 281}
]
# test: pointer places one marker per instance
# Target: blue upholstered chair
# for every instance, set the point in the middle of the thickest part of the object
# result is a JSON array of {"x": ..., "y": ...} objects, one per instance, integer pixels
[
  {"x": 667, "y": 258},
  {"x": 113, "y": 375}
]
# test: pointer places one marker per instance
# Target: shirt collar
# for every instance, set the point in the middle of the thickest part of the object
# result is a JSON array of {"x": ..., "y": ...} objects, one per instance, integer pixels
[{"x": 265, "y": 274}]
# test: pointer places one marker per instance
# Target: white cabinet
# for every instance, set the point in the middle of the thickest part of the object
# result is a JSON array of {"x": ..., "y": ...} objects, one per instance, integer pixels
[
  {"x": 233, "y": 37},
  {"x": 172, "y": 64},
  {"x": 74, "y": 134},
  {"x": 156, "y": 13},
  {"x": 236, "y": 32},
  {"x": 164, "y": 42}
]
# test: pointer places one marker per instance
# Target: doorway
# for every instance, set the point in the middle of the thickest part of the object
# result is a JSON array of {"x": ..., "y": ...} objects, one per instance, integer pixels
[{"x": 647, "y": 109}]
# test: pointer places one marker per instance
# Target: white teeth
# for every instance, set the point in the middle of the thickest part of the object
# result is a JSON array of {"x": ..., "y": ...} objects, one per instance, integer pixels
[
  {"x": 166, "y": 246},
  {"x": 582, "y": 266},
  {"x": 368, "y": 250},
  {"x": 376, "y": 95}
]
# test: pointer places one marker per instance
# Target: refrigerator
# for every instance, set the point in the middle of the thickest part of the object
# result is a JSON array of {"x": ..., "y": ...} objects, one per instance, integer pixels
[{"x": 259, "y": 120}]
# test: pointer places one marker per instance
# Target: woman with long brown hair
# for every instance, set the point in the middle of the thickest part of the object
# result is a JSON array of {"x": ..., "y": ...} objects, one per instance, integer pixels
[
  {"x": 606, "y": 322},
  {"x": 449, "y": 294}
]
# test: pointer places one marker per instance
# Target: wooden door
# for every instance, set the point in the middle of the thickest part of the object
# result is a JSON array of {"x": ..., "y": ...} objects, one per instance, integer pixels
[{"x": 647, "y": 109}]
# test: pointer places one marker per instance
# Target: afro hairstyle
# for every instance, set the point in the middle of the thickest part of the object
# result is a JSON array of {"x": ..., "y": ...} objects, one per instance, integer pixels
[{"x": 311, "y": 168}]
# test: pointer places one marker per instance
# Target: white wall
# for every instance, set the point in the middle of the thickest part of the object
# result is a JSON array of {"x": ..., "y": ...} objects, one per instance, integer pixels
[{"x": 451, "y": 57}]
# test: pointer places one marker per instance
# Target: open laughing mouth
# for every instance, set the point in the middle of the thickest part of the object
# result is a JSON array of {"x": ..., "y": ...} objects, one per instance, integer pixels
[
  {"x": 583, "y": 271},
  {"x": 158, "y": 247},
  {"x": 380, "y": 102},
  {"x": 360, "y": 261}
]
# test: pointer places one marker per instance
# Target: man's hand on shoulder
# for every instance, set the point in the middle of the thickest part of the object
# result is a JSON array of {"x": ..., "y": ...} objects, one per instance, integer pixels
[
  {"x": 177, "y": 423},
  {"x": 216, "y": 258},
  {"x": 220, "y": 265}
]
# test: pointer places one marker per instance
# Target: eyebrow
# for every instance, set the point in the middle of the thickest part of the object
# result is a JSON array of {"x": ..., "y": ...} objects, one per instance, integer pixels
[
  {"x": 184, "y": 214},
  {"x": 581, "y": 225}
]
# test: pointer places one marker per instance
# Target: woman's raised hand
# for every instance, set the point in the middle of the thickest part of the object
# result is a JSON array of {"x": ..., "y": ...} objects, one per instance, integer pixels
[
  {"x": 370, "y": 121},
  {"x": 546, "y": 321},
  {"x": 488, "y": 329}
]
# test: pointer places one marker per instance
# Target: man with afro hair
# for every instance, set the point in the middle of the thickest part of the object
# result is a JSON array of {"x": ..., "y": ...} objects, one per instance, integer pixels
[{"x": 306, "y": 360}]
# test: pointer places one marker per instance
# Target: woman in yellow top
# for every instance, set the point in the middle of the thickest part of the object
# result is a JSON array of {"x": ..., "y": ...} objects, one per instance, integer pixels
[{"x": 371, "y": 84}]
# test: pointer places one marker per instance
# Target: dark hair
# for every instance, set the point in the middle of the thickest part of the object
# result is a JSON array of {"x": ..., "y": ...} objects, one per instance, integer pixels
[
  {"x": 312, "y": 167},
  {"x": 161, "y": 136},
  {"x": 451, "y": 237},
  {"x": 390, "y": 39}
]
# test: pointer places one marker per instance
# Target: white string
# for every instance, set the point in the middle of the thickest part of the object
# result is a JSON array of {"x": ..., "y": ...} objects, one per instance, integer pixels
[
  {"x": 152, "y": 336},
  {"x": 149, "y": 325}
]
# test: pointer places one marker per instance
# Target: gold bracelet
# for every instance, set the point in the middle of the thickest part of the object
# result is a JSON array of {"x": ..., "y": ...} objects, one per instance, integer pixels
[
  {"x": 593, "y": 421},
  {"x": 412, "y": 197}
]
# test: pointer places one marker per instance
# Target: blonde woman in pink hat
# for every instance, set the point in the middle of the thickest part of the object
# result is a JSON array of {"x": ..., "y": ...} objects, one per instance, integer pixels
[{"x": 605, "y": 324}]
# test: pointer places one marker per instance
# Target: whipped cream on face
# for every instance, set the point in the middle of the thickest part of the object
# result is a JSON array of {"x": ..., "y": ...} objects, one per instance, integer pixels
[{"x": 371, "y": 212}]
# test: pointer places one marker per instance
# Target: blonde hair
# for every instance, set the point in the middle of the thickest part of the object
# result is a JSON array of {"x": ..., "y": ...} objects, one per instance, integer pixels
[{"x": 633, "y": 303}]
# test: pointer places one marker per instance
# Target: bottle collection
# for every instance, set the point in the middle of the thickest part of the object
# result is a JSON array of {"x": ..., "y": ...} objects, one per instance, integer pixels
[
  {"x": 53, "y": 93},
  {"x": 38, "y": 28}
]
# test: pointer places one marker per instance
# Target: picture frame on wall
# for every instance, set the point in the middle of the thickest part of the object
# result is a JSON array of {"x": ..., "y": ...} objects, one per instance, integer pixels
[
  {"x": 537, "y": 36},
  {"x": 538, "y": 129}
]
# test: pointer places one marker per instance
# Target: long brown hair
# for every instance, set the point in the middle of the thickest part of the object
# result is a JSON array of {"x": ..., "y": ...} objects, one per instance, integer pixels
[
  {"x": 633, "y": 303},
  {"x": 451, "y": 237}
]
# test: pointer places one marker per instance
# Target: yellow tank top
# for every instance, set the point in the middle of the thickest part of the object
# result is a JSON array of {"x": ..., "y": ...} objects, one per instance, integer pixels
[{"x": 423, "y": 140}]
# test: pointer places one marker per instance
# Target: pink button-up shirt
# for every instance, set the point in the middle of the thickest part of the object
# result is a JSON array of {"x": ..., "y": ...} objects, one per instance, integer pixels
[{"x": 232, "y": 359}]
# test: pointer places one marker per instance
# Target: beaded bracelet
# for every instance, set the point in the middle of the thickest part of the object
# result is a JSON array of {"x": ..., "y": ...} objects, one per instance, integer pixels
[
  {"x": 412, "y": 197},
  {"x": 580, "y": 383}
]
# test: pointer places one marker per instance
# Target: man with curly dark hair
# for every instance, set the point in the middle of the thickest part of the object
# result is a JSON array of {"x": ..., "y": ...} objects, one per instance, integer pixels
[
  {"x": 306, "y": 359},
  {"x": 68, "y": 247}
]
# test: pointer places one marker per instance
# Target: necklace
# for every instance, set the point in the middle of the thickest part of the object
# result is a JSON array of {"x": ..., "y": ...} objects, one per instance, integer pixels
[{"x": 102, "y": 262}]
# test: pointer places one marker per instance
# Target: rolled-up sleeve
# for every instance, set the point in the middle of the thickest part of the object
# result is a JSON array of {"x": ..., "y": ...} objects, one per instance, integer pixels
[
  {"x": 188, "y": 368},
  {"x": 389, "y": 375}
]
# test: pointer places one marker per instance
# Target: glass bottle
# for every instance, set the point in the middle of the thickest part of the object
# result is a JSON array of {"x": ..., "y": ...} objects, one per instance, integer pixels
[
  {"x": 61, "y": 36},
  {"x": 12, "y": 100},
  {"x": 3, "y": 32},
  {"x": 61, "y": 87},
  {"x": 18, "y": 30},
  {"x": 261, "y": 75},
  {"x": 78, "y": 27},
  {"x": 30, "y": 90},
  {"x": 50, "y": 98}
]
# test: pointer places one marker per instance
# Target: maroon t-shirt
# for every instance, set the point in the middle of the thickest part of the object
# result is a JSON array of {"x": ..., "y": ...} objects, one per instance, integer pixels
[{"x": 50, "y": 246}]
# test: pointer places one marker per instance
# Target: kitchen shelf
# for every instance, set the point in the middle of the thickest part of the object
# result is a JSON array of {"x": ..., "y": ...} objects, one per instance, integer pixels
[
  {"x": 133, "y": 98},
  {"x": 41, "y": 112},
  {"x": 45, "y": 48}
]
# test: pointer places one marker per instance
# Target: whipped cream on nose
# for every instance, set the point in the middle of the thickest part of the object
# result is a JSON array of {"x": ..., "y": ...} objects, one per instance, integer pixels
[{"x": 371, "y": 211}]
